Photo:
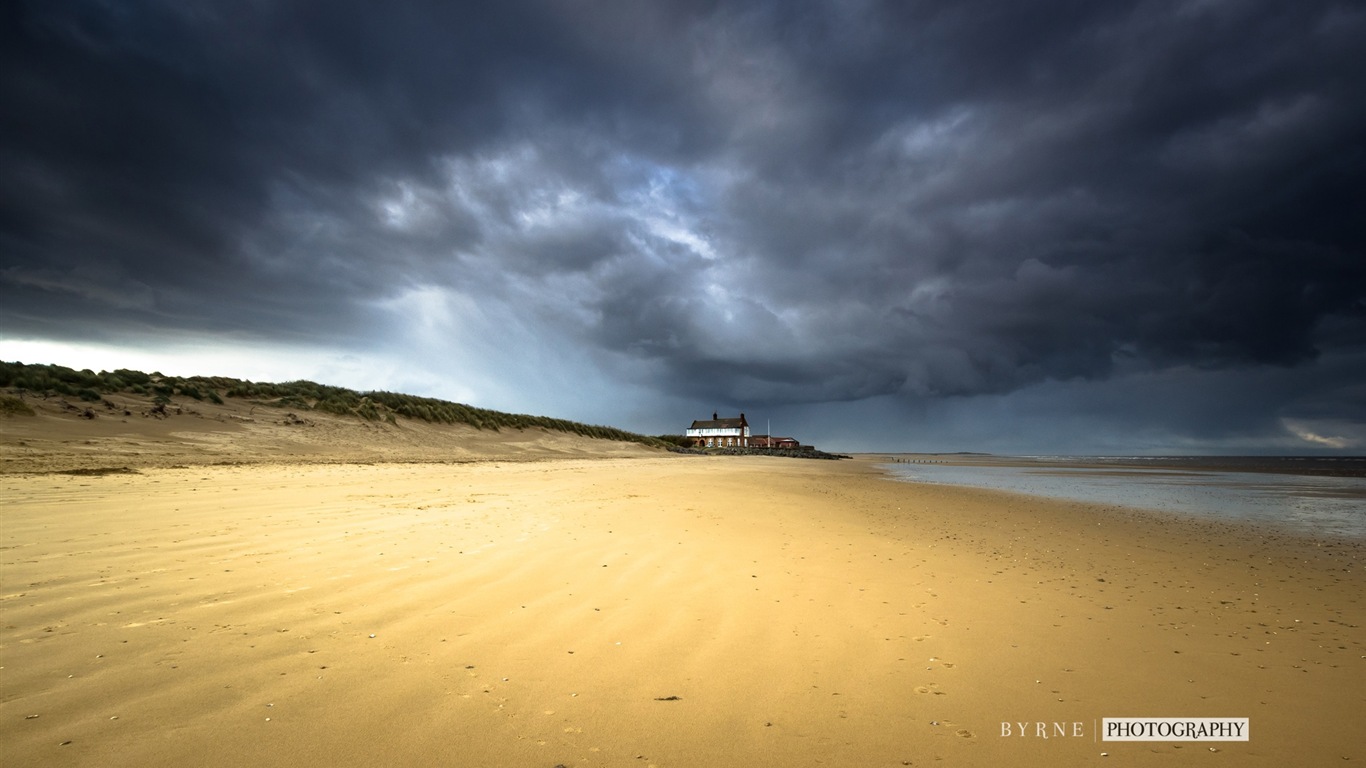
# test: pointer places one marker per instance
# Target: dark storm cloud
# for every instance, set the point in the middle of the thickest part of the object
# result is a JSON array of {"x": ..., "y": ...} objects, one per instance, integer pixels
[{"x": 753, "y": 203}]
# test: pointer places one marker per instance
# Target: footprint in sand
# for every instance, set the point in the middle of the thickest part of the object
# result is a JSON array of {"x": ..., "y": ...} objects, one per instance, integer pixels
[
  {"x": 931, "y": 688},
  {"x": 964, "y": 732}
]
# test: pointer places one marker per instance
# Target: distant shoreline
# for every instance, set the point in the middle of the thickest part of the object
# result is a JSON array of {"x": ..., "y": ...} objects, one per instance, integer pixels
[
  {"x": 1324, "y": 466},
  {"x": 1329, "y": 506}
]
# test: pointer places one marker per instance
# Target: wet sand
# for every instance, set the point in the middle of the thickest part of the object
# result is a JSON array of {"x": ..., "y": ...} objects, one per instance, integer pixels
[{"x": 656, "y": 611}]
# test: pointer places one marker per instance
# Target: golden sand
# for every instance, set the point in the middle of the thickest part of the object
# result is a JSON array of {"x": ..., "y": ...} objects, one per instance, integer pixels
[{"x": 667, "y": 611}]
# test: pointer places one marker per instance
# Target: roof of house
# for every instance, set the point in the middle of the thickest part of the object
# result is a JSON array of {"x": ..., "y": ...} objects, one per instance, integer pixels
[
  {"x": 714, "y": 423},
  {"x": 718, "y": 424}
]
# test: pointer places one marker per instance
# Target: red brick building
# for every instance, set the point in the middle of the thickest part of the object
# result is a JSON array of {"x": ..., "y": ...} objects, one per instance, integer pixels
[{"x": 769, "y": 441}]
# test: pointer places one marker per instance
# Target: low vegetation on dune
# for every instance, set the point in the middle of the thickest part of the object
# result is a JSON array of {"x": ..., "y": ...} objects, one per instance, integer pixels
[
  {"x": 87, "y": 385},
  {"x": 13, "y": 406}
]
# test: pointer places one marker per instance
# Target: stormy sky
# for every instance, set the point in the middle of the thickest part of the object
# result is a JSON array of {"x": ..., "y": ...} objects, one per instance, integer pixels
[{"x": 1080, "y": 227}]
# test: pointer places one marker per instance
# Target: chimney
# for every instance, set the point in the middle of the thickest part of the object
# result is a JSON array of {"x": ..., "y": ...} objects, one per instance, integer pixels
[{"x": 714, "y": 417}]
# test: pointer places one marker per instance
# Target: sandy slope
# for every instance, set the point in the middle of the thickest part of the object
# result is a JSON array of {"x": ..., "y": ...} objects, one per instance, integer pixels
[
  {"x": 658, "y": 611},
  {"x": 71, "y": 434}
]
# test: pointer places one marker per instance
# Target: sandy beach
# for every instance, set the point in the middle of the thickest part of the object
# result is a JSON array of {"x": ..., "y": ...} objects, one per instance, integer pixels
[{"x": 667, "y": 611}]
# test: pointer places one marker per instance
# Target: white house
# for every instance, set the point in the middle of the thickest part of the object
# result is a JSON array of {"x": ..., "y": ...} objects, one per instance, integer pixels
[{"x": 720, "y": 433}]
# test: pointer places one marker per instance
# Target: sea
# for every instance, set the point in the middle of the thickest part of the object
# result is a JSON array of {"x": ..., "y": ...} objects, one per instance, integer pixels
[{"x": 1322, "y": 497}]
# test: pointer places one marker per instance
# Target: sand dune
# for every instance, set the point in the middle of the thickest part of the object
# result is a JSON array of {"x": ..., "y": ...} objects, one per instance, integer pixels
[
  {"x": 651, "y": 611},
  {"x": 125, "y": 431}
]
